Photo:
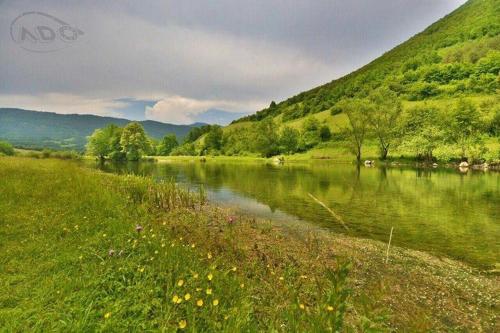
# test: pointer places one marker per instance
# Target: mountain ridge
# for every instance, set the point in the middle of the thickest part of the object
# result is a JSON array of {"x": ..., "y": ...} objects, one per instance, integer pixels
[{"x": 41, "y": 129}]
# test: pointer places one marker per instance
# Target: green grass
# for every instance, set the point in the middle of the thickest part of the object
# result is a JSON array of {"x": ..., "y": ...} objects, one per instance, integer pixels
[
  {"x": 72, "y": 260},
  {"x": 58, "y": 226}
]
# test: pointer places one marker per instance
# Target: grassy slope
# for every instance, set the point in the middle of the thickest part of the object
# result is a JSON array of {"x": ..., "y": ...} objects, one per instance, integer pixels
[
  {"x": 473, "y": 15},
  {"x": 58, "y": 222}
]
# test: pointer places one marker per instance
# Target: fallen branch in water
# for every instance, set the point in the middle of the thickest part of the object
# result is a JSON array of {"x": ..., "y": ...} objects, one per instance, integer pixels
[
  {"x": 337, "y": 217},
  {"x": 388, "y": 246}
]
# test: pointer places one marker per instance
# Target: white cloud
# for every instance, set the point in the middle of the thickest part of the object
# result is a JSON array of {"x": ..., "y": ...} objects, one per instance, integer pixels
[{"x": 182, "y": 110}]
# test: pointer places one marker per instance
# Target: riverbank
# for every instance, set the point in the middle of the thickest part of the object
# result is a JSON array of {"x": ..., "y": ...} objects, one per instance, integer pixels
[{"x": 84, "y": 250}]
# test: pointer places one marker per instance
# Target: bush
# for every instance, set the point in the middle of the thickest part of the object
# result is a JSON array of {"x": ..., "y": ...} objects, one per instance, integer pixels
[{"x": 6, "y": 148}]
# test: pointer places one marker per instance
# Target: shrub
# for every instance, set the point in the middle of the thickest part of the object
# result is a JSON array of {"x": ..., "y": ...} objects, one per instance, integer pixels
[{"x": 6, "y": 148}]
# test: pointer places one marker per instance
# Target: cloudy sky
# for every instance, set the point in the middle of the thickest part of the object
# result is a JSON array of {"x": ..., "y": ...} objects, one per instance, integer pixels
[{"x": 185, "y": 61}]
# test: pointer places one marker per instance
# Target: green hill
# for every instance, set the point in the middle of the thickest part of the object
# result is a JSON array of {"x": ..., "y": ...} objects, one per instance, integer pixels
[
  {"x": 456, "y": 58},
  {"x": 33, "y": 129}
]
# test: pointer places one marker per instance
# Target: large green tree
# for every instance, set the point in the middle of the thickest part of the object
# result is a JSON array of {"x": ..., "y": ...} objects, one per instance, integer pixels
[
  {"x": 465, "y": 127},
  {"x": 134, "y": 141},
  {"x": 422, "y": 131},
  {"x": 384, "y": 116},
  {"x": 357, "y": 111},
  {"x": 104, "y": 142},
  {"x": 213, "y": 139},
  {"x": 289, "y": 140},
  {"x": 167, "y": 144},
  {"x": 266, "y": 138}
]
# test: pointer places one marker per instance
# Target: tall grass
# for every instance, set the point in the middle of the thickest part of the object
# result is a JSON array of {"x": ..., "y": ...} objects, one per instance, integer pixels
[{"x": 88, "y": 251}]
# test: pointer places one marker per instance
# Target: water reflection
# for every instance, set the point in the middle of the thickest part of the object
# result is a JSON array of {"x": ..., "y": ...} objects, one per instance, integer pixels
[{"x": 436, "y": 210}]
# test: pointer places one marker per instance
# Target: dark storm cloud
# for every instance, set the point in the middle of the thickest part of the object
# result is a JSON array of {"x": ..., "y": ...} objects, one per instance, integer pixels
[{"x": 191, "y": 56}]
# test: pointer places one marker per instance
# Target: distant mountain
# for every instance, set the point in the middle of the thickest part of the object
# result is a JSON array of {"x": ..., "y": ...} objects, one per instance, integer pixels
[
  {"x": 34, "y": 129},
  {"x": 217, "y": 116}
]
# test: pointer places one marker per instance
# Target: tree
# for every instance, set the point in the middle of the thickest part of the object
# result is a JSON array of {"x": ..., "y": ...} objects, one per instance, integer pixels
[
  {"x": 6, "y": 148},
  {"x": 357, "y": 111},
  {"x": 289, "y": 140},
  {"x": 213, "y": 140},
  {"x": 324, "y": 133},
  {"x": 266, "y": 138},
  {"x": 384, "y": 117},
  {"x": 104, "y": 141},
  {"x": 167, "y": 144},
  {"x": 422, "y": 131},
  {"x": 134, "y": 141},
  {"x": 465, "y": 127},
  {"x": 310, "y": 132}
]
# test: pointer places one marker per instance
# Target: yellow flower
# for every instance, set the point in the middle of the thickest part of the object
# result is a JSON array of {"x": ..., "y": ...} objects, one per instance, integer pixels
[
  {"x": 156, "y": 252},
  {"x": 281, "y": 278},
  {"x": 302, "y": 306},
  {"x": 209, "y": 291},
  {"x": 107, "y": 315},
  {"x": 80, "y": 257},
  {"x": 187, "y": 297},
  {"x": 209, "y": 255},
  {"x": 215, "y": 302},
  {"x": 175, "y": 299},
  {"x": 182, "y": 324},
  {"x": 210, "y": 277},
  {"x": 303, "y": 276},
  {"x": 233, "y": 269},
  {"x": 195, "y": 276},
  {"x": 198, "y": 289},
  {"x": 180, "y": 283},
  {"x": 329, "y": 308},
  {"x": 199, "y": 302},
  {"x": 193, "y": 246},
  {"x": 141, "y": 269},
  {"x": 180, "y": 238},
  {"x": 242, "y": 285},
  {"x": 104, "y": 235},
  {"x": 226, "y": 317}
]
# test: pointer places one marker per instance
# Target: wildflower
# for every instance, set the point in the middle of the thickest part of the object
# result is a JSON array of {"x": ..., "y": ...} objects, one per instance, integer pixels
[
  {"x": 281, "y": 278},
  {"x": 329, "y": 308},
  {"x": 242, "y": 285},
  {"x": 215, "y": 302},
  {"x": 80, "y": 257},
  {"x": 195, "y": 276},
  {"x": 138, "y": 228},
  {"x": 209, "y": 291},
  {"x": 234, "y": 269},
  {"x": 182, "y": 324},
  {"x": 111, "y": 252},
  {"x": 180, "y": 238},
  {"x": 187, "y": 297},
  {"x": 104, "y": 235},
  {"x": 162, "y": 245},
  {"x": 193, "y": 246},
  {"x": 175, "y": 299},
  {"x": 199, "y": 302},
  {"x": 198, "y": 289},
  {"x": 180, "y": 283},
  {"x": 302, "y": 306},
  {"x": 303, "y": 276},
  {"x": 107, "y": 315},
  {"x": 164, "y": 223},
  {"x": 210, "y": 277},
  {"x": 209, "y": 255},
  {"x": 141, "y": 269},
  {"x": 156, "y": 252},
  {"x": 226, "y": 317}
]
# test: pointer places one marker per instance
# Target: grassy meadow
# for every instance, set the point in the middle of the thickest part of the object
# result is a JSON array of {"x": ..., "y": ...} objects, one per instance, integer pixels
[{"x": 82, "y": 250}]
